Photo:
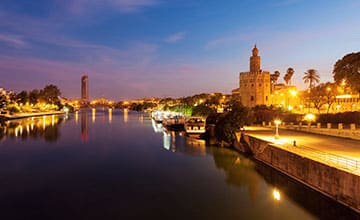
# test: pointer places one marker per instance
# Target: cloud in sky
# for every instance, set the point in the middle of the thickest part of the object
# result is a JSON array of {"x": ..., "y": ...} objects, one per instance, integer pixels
[
  {"x": 129, "y": 51},
  {"x": 176, "y": 37},
  {"x": 126, "y": 6},
  {"x": 13, "y": 40}
]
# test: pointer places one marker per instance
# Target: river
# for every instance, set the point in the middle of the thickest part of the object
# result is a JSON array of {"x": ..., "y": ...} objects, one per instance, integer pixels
[{"x": 121, "y": 165}]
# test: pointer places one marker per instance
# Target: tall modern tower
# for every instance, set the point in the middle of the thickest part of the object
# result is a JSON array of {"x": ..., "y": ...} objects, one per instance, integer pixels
[{"x": 85, "y": 88}]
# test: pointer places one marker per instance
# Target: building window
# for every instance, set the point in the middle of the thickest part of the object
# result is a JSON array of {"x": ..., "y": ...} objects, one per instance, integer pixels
[
  {"x": 252, "y": 85},
  {"x": 259, "y": 84},
  {"x": 266, "y": 98},
  {"x": 252, "y": 98}
]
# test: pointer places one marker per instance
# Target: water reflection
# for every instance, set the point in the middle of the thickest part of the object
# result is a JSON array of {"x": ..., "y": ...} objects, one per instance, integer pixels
[
  {"x": 239, "y": 170},
  {"x": 84, "y": 126},
  {"x": 135, "y": 170},
  {"x": 311, "y": 200},
  {"x": 46, "y": 127},
  {"x": 240, "y": 173},
  {"x": 178, "y": 142},
  {"x": 158, "y": 127},
  {"x": 93, "y": 114},
  {"x": 110, "y": 113},
  {"x": 76, "y": 117},
  {"x": 126, "y": 115}
]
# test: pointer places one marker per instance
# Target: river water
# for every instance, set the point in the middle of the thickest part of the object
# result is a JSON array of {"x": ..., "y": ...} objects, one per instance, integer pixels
[{"x": 121, "y": 165}]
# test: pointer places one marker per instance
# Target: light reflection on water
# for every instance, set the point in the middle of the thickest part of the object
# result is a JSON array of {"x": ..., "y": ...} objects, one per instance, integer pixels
[{"x": 113, "y": 163}]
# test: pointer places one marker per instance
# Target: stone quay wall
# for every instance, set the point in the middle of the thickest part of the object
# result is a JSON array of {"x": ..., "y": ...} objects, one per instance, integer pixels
[{"x": 337, "y": 184}]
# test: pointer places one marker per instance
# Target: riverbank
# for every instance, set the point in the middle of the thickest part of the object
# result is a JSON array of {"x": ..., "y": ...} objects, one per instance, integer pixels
[
  {"x": 28, "y": 115},
  {"x": 328, "y": 165}
]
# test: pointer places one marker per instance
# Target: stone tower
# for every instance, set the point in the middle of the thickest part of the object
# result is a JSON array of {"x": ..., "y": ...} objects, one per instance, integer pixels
[
  {"x": 255, "y": 61},
  {"x": 254, "y": 86}
]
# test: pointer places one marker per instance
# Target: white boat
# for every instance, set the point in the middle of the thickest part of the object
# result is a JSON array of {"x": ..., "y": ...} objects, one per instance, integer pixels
[
  {"x": 195, "y": 126},
  {"x": 158, "y": 116}
]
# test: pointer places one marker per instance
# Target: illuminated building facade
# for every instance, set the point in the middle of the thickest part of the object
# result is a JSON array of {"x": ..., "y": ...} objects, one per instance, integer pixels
[
  {"x": 286, "y": 97},
  {"x": 254, "y": 86},
  {"x": 346, "y": 103},
  {"x": 85, "y": 89}
]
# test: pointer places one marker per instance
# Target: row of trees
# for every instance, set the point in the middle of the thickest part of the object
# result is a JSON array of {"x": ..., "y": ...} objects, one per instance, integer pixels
[
  {"x": 48, "y": 95},
  {"x": 287, "y": 77}
]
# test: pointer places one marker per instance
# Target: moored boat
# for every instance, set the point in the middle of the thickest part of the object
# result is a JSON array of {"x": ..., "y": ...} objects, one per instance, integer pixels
[
  {"x": 175, "y": 123},
  {"x": 195, "y": 126}
]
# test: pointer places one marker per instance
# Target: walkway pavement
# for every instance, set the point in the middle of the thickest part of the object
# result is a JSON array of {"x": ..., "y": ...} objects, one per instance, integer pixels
[{"x": 342, "y": 153}]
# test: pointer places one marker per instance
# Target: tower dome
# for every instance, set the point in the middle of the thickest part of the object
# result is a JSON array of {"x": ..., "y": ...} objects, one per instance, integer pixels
[
  {"x": 255, "y": 51},
  {"x": 255, "y": 61}
]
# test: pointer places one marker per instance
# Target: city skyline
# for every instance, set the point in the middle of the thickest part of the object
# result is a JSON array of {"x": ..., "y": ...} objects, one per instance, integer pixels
[{"x": 143, "y": 48}]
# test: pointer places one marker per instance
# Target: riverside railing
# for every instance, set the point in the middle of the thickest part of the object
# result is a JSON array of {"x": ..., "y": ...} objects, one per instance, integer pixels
[{"x": 338, "y": 161}]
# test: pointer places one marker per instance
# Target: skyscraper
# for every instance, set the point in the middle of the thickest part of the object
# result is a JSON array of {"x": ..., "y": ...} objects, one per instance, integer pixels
[{"x": 85, "y": 88}]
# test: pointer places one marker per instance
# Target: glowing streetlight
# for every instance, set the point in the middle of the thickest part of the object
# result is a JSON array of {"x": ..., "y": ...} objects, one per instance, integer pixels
[
  {"x": 277, "y": 123},
  {"x": 276, "y": 195},
  {"x": 309, "y": 118},
  {"x": 293, "y": 93},
  {"x": 343, "y": 82}
]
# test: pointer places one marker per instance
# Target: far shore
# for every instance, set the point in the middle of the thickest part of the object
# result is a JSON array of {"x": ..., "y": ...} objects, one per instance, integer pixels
[{"x": 27, "y": 115}]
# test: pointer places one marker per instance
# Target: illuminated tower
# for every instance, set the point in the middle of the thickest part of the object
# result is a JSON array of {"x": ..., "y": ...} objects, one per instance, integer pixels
[
  {"x": 254, "y": 85},
  {"x": 255, "y": 61},
  {"x": 85, "y": 88}
]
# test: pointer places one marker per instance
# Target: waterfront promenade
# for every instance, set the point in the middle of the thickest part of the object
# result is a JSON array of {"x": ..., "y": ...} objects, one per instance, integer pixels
[
  {"x": 341, "y": 153},
  {"x": 27, "y": 115}
]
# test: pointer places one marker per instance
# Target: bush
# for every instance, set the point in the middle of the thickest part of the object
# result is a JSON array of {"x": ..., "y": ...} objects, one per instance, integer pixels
[
  {"x": 345, "y": 117},
  {"x": 13, "y": 109}
]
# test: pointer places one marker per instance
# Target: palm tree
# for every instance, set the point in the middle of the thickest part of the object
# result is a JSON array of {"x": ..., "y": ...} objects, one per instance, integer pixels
[
  {"x": 289, "y": 73},
  {"x": 311, "y": 76},
  {"x": 274, "y": 77}
]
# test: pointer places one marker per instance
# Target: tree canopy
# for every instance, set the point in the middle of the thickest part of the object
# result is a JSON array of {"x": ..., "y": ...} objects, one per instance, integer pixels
[
  {"x": 289, "y": 73},
  {"x": 348, "y": 68},
  {"x": 50, "y": 94}
]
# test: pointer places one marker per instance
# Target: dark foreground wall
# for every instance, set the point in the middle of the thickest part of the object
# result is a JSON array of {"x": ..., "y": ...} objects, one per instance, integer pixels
[{"x": 339, "y": 185}]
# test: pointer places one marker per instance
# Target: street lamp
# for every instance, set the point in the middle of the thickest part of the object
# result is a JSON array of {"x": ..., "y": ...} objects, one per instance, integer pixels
[
  {"x": 310, "y": 118},
  {"x": 277, "y": 123}
]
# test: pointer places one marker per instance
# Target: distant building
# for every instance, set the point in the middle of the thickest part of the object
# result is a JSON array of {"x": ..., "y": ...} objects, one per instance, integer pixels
[
  {"x": 286, "y": 97},
  {"x": 254, "y": 86},
  {"x": 85, "y": 89}
]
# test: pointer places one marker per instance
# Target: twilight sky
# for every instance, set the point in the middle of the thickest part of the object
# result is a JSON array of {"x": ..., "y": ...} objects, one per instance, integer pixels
[{"x": 143, "y": 48}]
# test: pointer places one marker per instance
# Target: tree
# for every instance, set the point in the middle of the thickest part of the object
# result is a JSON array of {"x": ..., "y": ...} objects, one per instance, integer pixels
[
  {"x": 316, "y": 96},
  {"x": 3, "y": 101},
  {"x": 322, "y": 94},
  {"x": 311, "y": 76},
  {"x": 274, "y": 77},
  {"x": 22, "y": 97},
  {"x": 228, "y": 123},
  {"x": 12, "y": 97},
  {"x": 34, "y": 96},
  {"x": 50, "y": 94},
  {"x": 289, "y": 73},
  {"x": 330, "y": 94},
  {"x": 202, "y": 110},
  {"x": 348, "y": 68}
]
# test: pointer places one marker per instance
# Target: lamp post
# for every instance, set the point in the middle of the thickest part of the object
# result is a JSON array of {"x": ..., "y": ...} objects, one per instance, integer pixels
[
  {"x": 277, "y": 123},
  {"x": 310, "y": 118}
]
